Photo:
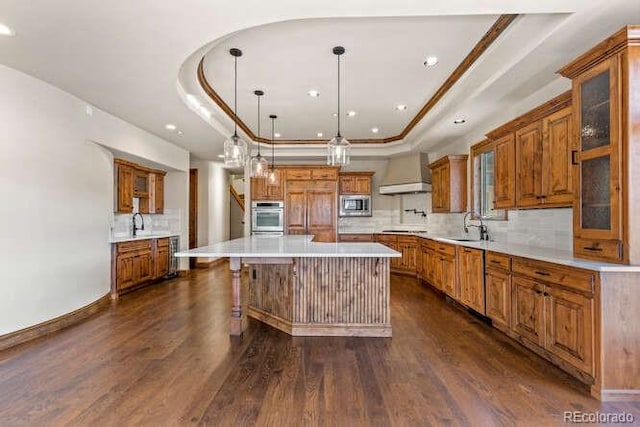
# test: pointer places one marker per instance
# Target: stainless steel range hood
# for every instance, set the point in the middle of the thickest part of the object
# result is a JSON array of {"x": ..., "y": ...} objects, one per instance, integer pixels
[{"x": 407, "y": 174}]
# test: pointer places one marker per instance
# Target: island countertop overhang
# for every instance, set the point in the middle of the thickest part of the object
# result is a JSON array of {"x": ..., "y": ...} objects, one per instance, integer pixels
[{"x": 289, "y": 246}]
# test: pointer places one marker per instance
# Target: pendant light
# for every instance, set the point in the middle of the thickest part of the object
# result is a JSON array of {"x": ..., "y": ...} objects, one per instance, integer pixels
[
  {"x": 339, "y": 149},
  {"x": 273, "y": 178},
  {"x": 259, "y": 165},
  {"x": 235, "y": 149}
]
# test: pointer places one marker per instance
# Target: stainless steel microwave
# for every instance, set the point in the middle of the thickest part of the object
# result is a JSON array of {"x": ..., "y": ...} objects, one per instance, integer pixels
[{"x": 355, "y": 205}]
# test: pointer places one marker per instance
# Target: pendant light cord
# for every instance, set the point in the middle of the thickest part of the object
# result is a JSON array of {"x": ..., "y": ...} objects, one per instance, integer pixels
[
  {"x": 273, "y": 156},
  {"x": 338, "y": 135},
  {"x": 258, "y": 126},
  {"x": 235, "y": 96}
]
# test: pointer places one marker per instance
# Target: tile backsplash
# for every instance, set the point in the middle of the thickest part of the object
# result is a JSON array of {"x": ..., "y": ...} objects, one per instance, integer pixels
[
  {"x": 547, "y": 228},
  {"x": 168, "y": 222}
]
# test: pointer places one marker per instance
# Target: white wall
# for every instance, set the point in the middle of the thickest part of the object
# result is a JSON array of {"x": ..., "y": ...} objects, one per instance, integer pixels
[
  {"x": 213, "y": 202},
  {"x": 57, "y": 192}
]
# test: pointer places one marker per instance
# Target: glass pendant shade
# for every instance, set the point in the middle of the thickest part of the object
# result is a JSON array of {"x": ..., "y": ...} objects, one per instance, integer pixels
[
  {"x": 338, "y": 151},
  {"x": 235, "y": 152},
  {"x": 259, "y": 167},
  {"x": 273, "y": 178}
]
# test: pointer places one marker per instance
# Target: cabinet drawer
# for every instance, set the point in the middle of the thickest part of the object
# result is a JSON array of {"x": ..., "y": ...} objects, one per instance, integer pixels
[
  {"x": 444, "y": 248},
  {"x": 603, "y": 250},
  {"x": 355, "y": 237},
  {"x": 497, "y": 260},
  {"x": 573, "y": 278},
  {"x": 324, "y": 173},
  {"x": 407, "y": 239},
  {"x": 298, "y": 174},
  {"x": 134, "y": 245},
  {"x": 384, "y": 238},
  {"x": 162, "y": 242}
]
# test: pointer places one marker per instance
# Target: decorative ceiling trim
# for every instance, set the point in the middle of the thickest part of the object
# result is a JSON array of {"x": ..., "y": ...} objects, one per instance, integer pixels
[{"x": 498, "y": 27}]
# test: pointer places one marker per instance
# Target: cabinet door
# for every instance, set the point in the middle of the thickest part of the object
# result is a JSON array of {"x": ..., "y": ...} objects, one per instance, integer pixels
[
  {"x": 125, "y": 274},
  {"x": 447, "y": 271},
  {"x": 144, "y": 264},
  {"x": 445, "y": 188},
  {"x": 159, "y": 196},
  {"x": 597, "y": 198},
  {"x": 529, "y": 165},
  {"x": 125, "y": 189},
  {"x": 569, "y": 324},
  {"x": 436, "y": 190},
  {"x": 259, "y": 189},
  {"x": 527, "y": 309},
  {"x": 347, "y": 184},
  {"x": 499, "y": 298},
  {"x": 296, "y": 212},
  {"x": 557, "y": 182},
  {"x": 505, "y": 172},
  {"x": 409, "y": 254},
  {"x": 275, "y": 192},
  {"x": 162, "y": 261},
  {"x": 362, "y": 184},
  {"x": 321, "y": 214},
  {"x": 471, "y": 276}
]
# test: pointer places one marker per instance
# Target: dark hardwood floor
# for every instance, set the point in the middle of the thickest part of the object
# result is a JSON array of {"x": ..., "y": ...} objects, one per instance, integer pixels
[{"x": 162, "y": 356}]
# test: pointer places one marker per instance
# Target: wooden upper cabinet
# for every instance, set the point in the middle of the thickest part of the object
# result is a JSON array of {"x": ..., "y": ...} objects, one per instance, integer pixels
[
  {"x": 529, "y": 165},
  {"x": 124, "y": 188},
  {"x": 449, "y": 184},
  {"x": 262, "y": 190},
  {"x": 159, "y": 194},
  {"x": 557, "y": 153},
  {"x": 355, "y": 182},
  {"x": 505, "y": 172},
  {"x": 606, "y": 127}
]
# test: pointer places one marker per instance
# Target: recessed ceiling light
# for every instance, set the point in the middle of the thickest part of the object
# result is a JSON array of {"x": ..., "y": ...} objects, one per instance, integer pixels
[
  {"x": 431, "y": 61},
  {"x": 313, "y": 93},
  {"x": 277, "y": 135},
  {"x": 401, "y": 107},
  {"x": 179, "y": 132},
  {"x": 6, "y": 31},
  {"x": 335, "y": 114},
  {"x": 170, "y": 127},
  {"x": 319, "y": 134},
  {"x": 459, "y": 121},
  {"x": 351, "y": 113},
  {"x": 221, "y": 156},
  {"x": 375, "y": 130}
]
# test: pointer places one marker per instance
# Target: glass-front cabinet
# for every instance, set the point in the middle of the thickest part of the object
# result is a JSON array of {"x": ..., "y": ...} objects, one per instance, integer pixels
[{"x": 606, "y": 102}]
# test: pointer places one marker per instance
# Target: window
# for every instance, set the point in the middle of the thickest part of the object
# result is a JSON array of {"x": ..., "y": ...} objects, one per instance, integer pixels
[{"x": 483, "y": 182}]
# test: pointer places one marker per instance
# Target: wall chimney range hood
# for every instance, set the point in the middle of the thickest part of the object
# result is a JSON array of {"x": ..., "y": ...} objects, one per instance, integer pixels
[{"x": 407, "y": 174}]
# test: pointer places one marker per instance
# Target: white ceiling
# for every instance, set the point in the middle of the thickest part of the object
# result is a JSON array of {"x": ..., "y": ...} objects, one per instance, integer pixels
[{"x": 136, "y": 60}]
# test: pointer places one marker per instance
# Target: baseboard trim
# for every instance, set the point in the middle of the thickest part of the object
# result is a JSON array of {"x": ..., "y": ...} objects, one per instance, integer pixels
[
  {"x": 209, "y": 264},
  {"x": 41, "y": 329}
]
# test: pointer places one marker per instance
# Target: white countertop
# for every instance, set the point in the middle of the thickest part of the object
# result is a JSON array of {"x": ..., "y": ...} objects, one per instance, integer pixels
[
  {"x": 128, "y": 238},
  {"x": 289, "y": 246}
]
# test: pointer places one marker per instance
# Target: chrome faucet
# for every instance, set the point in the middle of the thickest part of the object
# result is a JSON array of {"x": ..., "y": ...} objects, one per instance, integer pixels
[
  {"x": 484, "y": 232},
  {"x": 134, "y": 226}
]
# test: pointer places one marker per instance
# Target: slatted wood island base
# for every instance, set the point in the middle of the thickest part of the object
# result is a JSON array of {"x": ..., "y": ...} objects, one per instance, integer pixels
[
  {"x": 322, "y": 296},
  {"x": 306, "y": 288}
]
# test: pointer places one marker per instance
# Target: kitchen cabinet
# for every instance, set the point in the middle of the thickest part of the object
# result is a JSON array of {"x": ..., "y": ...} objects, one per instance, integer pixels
[
  {"x": 311, "y": 208},
  {"x": 553, "y": 308},
  {"x": 471, "y": 278},
  {"x": 439, "y": 266},
  {"x": 606, "y": 91},
  {"x": 137, "y": 262},
  {"x": 355, "y": 183},
  {"x": 124, "y": 188},
  {"x": 355, "y": 237},
  {"x": 133, "y": 264},
  {"x": 543, "y": 161},
  {"x": 408, "y": 246},
  {"x": 498, "y": 289},
  {"x": 390, "y": 241},
  {"x": 449, "y": 184},
  {"x": 261, "y": 190},
  {"x": 505, "y": 172},
  {"x": 311, "y": 173},
  {"x": 133, "y": 180},
  {"x": 161, "y": 257}
]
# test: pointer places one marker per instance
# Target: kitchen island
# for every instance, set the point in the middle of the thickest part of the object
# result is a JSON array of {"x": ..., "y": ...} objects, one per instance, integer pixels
[{"x": 308, "y": 288}]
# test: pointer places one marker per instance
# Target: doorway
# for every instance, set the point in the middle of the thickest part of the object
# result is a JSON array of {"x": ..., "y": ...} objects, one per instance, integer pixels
[{"x": 193, "y": 214}]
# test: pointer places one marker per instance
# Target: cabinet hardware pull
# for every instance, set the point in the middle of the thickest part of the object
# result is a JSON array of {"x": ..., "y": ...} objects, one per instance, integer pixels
[
  {"x": 574, "y": 154},
  {"x": 543, "y": 273},
  {"x": 543, "y": 197},
  {"x": 546, "y": 294},
  {"x": 590, "y": 248},
  {"x": 442, "y": 259},
  {"x": 538, "y": 292}
]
